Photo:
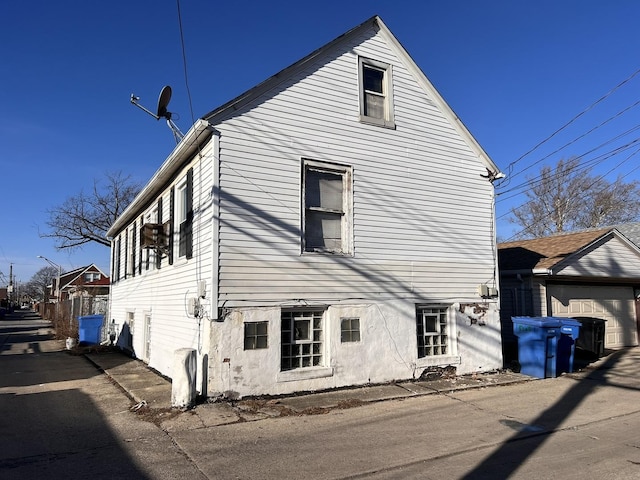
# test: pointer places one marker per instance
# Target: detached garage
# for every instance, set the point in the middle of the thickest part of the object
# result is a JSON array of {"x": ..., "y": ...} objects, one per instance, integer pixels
[{"x": 594, "y": 273}]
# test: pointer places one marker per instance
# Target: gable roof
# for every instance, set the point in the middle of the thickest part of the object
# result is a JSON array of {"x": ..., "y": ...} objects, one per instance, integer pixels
[
  {"x": 203, "y": 128},
  {"x": 67, "y": 278},
  {"x": 547, "y": 252},
  {"x": 630, "y": 230},
  {"x": 376, "y": 22}
]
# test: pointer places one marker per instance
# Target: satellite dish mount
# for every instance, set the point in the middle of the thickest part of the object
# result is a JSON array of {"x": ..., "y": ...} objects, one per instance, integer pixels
[{"x": 161, "y": 111}]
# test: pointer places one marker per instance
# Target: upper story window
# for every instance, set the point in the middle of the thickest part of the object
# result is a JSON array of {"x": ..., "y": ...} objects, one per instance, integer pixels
[
  {"x": 91, "y": 277},
  {"x": 327, "y": 208},
  {"x": 115, "y": 274},
  {"x": 376, "y": 89},
  {"x": 184, "y": 215},
  {"x": 152, "y": 255}
]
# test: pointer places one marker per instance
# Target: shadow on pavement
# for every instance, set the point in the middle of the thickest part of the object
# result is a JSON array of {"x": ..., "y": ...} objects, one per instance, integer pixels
[
  {"x": 495, "y": 465},
  {"x": 51, "y": 425}
]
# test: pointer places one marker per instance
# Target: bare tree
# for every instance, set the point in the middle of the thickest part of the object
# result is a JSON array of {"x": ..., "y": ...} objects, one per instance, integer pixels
[
  {"x": 609, "y": 204},
  {"x": 86, "y": 217},
  {"x": 568, "y": 198},
  {"x": 36, "y": 287}
]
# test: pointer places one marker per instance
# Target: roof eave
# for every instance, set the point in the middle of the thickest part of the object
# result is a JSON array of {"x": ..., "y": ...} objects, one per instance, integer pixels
[
  {"x": 237, "y": 103},
  {"x": 187, "y": 146},
  {"x": 284, "y": 74},
  {"x": 494, "y": 170}
]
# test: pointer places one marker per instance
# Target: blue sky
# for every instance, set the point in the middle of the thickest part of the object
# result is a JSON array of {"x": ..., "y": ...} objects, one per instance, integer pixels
[{"x": 513, "y": 71}]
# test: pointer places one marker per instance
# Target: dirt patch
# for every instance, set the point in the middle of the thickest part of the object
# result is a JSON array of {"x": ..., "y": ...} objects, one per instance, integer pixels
[
  {"x": 155, "y": 415},
  {"x": 275, "y": 408},
  {"x": 351, "y": 403}
]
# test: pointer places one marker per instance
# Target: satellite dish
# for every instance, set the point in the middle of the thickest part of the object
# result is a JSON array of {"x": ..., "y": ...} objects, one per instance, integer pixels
[
  {"x": 163, "y": 103},
  {"x": 162, "y": 112}
]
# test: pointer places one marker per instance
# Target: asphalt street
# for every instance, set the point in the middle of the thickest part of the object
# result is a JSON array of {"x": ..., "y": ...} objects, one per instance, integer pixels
[
  {"x": 64, "y": 416},
  {"x": 63, "y": 419}
]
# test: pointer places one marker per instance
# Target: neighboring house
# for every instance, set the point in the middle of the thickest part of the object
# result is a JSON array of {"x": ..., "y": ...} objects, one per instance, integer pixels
[
  {"x": 83, "y": 291},
  {"x": 594, "y": 273},
  {"x": 333, "y": 226},
  {"x": 83, "y": 281}
]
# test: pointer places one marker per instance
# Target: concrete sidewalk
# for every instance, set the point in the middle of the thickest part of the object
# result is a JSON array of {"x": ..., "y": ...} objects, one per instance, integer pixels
[
  {"x": 144, "y": 385},
  {"x": 153, "y": 391},
  {"x": 139, "y": 382}
]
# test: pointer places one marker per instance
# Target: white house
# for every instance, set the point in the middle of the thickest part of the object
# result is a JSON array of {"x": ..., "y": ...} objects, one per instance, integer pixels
[{"x": 332, "y": 226}]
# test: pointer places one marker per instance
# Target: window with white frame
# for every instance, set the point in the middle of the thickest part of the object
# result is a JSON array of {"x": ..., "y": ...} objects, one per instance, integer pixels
[
  {"x": 92, "y": 276},
  {"x": 376, "y": 89},
  {"x": 432, "y": 326},
  {"x": 302, "y": 339},
  {"x": 327, "y": 208}
]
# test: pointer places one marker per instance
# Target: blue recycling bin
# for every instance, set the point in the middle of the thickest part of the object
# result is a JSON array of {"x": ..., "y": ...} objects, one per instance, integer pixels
[
  {"x": 89, "y": 328},
  {"x": 546, "y": 345},
  {"x": 537, "y": 345}
]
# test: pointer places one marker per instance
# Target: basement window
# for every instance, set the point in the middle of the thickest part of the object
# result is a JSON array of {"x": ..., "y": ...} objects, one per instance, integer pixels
[
  {"x": 302, "y": 339},
  {"x": 255, "y": 335},
  {"x": 349, "y": 330},
  {"x": 432, "y": 328}
]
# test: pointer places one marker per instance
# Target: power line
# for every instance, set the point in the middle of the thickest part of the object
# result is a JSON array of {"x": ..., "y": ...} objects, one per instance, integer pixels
[
  {"x": 609, "y": 93},
  {"x": 613, "y": 117},
  {"x": 585, "y": 192},
  {"x": 184, "y": 62},
  {"x": 589, "y": 163}
]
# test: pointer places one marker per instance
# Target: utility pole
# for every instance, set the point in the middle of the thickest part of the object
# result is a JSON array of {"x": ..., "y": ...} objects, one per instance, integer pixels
[{"x": 10, "y": 288}]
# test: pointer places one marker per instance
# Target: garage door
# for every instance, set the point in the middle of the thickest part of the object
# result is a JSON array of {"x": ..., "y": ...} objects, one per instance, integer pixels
[{"x": 614, "y": 304}]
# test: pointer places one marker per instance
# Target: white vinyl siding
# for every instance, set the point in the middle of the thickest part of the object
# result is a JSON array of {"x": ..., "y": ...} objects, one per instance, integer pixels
[
  {"x": 421, "y": 209},
  {"x": 160, "y": 293},
  {"x": 597, "y": 261},
  {"x": 420, "y": 232}
]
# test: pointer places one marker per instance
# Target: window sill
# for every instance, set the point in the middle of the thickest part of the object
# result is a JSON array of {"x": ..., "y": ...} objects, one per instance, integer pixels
[
  {"x": 304, "y": 374},
  {"x": 378, "y": 122},
  {"x": 328, "y": 253},
  {"x": 439, "y": 360}
]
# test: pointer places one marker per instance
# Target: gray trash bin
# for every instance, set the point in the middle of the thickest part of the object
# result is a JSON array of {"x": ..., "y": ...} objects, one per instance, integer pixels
[{"x": 592, "y": 337}]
